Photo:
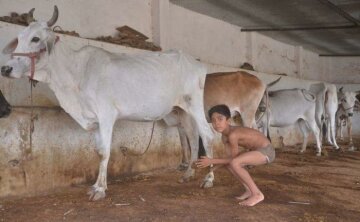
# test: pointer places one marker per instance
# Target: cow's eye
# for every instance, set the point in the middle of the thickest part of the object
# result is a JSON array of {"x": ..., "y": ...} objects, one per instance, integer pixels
[{"x": 35, "y": 39}]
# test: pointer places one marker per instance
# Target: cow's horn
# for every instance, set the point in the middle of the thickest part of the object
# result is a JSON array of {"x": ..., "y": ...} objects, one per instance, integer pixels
[
  {"x": 54, "y": 17},
  {"x": 30, "y": 16}
]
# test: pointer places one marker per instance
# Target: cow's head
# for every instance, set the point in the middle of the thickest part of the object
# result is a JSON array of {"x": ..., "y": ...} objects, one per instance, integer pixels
[
  {"x": 347, "y": 100},
  {"x": 36, "y": 38},
  {"x": 5, "y": 107}
]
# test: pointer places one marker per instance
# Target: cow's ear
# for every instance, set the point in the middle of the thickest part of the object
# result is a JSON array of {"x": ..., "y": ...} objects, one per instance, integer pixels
[
  {"x": 357, "y": 95},
  {"x": 9, "y": 48},
  {"x": 341, "y": 89}
]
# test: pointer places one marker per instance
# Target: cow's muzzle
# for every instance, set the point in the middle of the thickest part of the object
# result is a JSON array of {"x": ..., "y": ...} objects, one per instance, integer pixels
[{"x": 6, "y": 70}]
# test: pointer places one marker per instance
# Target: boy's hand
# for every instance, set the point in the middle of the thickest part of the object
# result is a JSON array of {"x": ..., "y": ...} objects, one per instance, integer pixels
[{"x": 203, "y": 162}]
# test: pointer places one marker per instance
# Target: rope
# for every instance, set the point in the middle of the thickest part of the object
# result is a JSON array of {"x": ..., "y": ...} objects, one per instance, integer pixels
[
  {"x": 125, "y": 149},
  {"x": 32, "y": 84}
]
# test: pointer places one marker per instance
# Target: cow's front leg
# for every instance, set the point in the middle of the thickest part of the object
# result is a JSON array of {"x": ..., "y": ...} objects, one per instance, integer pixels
[
  {"x": 349, "y": 128},
  {"x": 103, "y": 145},
  {"x": 315, "y": 129},
  {"x": 340, "y": 130}
]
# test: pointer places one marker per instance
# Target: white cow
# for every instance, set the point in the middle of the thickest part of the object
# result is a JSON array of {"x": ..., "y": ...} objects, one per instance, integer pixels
[
  {"x": 326, "y": 107},
  {"x": 97, "y": 87},
  {"x": 292, "y": 106},
  {"x": 347, "y": 101}
]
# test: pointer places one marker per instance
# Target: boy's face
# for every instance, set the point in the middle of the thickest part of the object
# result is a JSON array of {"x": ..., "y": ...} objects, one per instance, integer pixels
[{"x": 219, "y": 122}]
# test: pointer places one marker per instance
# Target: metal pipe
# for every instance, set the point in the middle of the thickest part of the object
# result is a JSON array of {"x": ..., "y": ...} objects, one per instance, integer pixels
[{"x": 39, "y": 107}]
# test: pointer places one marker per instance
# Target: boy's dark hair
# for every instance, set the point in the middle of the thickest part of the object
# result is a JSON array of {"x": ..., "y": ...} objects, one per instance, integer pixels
[{"x": 222, "y": 109}]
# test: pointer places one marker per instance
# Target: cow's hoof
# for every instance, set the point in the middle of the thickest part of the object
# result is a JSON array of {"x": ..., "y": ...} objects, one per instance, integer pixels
[
  {"x": 96, "y": 194},
  {"x": 351, "y": 148},
  {"x": 325, "y": 153},
  {"x": 184, "y": 179},
  {"x": 183, "y": 166},
  {"x": 318, "y": 154},
  {"x": 207, "y": 184}
]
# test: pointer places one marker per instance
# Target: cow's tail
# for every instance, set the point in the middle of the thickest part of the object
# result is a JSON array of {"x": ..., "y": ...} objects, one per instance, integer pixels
[
  {"x": 268, "y": 112},
  {"x": 267, "y": 106},
  {"x": 273, "y": 82},
  {"x": 324, "y": 118}
]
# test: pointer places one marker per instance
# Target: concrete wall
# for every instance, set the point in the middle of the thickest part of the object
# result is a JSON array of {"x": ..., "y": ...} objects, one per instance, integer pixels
[
  {"x": 51, "y": 160},
  {"x": 341, "y": 70},
  {"x": 62, "y": 153}
]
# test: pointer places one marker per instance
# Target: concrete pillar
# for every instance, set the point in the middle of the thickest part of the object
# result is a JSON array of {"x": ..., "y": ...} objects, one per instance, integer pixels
[
  {"x": 250, "y": 48},
  {"x": 160, "y": 22}
]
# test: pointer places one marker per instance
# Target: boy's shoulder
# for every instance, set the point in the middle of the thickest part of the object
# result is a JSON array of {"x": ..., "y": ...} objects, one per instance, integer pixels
[
  {"x": 239, "y": 131},
  {"x": 236, "y": 131}
]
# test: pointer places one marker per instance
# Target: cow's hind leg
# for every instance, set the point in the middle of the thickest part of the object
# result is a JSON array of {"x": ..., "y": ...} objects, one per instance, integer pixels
[
  {"x": 185, "y": 149},
  {"x": 191, "y": 134},
  {"x": 196, "y": 111},
  {"x": 173, "y": 119},
  {"x": 248, "y": 119},
  {"x": 103, "y": 145},
  {"x": 315, "y": 129},
  {"x": 305, "y": 131},
  {"x": 331, "y": 132}
]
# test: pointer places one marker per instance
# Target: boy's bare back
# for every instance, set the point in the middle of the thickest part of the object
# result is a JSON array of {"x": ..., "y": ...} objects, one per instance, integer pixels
[{"x": 245, "y": 137}]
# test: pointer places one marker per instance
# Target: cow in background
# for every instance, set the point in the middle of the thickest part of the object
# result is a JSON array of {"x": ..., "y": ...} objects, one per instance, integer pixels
[
  {"x": 347, "y": 103},
  {"x": 288, "y": 107},
  {"x": 97, "y": 87},
  {"x": 326, "y": 107}
]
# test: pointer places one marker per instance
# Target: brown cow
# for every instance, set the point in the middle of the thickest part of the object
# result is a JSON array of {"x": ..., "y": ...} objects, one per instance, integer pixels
[{"x": 240, "y": 91}]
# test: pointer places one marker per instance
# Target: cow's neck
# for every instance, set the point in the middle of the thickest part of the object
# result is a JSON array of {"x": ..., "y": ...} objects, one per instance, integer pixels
[
  {"x": 64, "y": 77},
  {"x": 63, "y": 66}
]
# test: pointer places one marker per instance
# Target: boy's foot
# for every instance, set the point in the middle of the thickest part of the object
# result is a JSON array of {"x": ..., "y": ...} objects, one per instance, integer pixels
[
  {"x": 244, "y": 196},
  {"x": 253, "y": 200}
]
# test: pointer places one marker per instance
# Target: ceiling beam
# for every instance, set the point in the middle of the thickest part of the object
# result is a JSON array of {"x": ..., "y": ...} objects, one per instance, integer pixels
[
  {"x": 338, "y": 10},
  {"x": 340, "y": 55},
  {"x": 341, "y": 12},
  {"x": 301, "y": 28}
]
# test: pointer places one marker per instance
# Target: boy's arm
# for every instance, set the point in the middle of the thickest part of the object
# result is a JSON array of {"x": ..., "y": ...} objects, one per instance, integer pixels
[
  {"x": 232, "y": 147},
  {"x": 205, "y": 161}
]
